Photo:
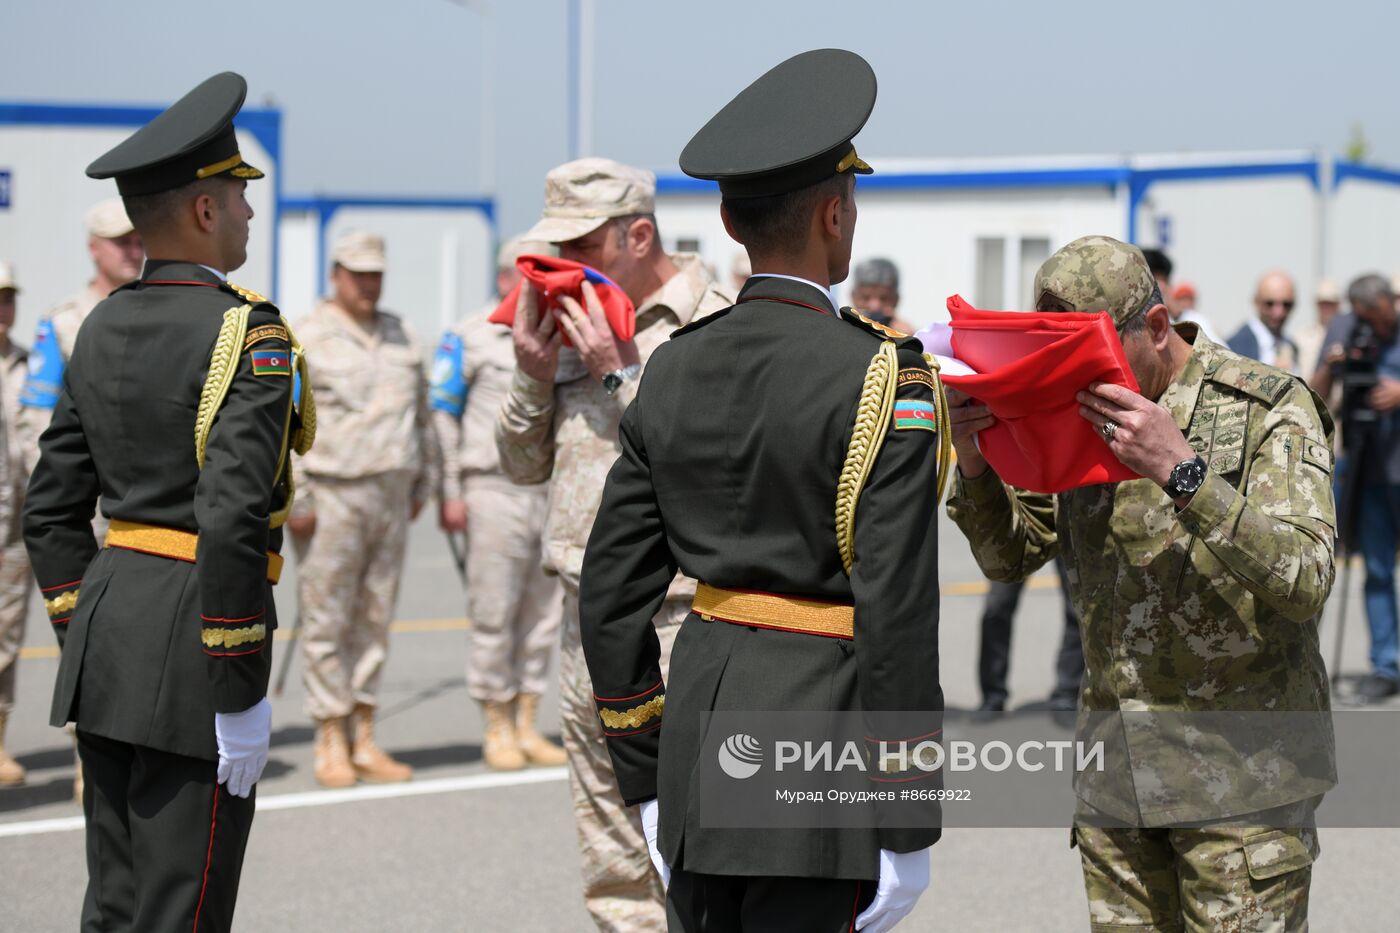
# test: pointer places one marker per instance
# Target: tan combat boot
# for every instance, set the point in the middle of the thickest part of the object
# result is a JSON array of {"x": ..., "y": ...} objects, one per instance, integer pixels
[
  {"x": 332, "y": 768},
  {"x": 538, "y": 749},
  {"x": 11, "y": 771},
  {"x": 498, "y": 745},
  {"x": 371, "y": 762}
]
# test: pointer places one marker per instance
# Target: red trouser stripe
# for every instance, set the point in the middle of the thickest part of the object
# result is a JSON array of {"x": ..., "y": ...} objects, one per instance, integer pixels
[{"x": 209, "y": 858}]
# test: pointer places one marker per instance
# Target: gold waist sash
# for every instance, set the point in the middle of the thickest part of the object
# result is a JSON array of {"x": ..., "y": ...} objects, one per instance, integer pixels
[
  {"x": 169, "y": 542},
  {"x": 769, "y": 610}
]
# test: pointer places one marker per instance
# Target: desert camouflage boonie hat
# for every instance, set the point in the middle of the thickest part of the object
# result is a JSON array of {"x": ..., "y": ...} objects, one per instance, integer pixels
[{"x": 1095, "y": 273}]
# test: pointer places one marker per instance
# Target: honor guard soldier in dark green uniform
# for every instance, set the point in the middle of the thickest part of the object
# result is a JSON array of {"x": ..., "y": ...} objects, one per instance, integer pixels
[
  {"x": 785, "y": 453},
  {"x": 177, "y": 411}
]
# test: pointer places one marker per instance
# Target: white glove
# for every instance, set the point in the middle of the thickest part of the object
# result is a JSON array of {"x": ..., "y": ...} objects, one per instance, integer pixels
[
  {"x": 903, "y": 878},
  {"x": 650, "y": 813},
  {"x": 243, "y": 741}
]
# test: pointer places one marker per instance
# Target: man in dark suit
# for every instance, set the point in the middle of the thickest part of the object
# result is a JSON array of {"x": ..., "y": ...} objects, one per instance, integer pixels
[
  {"x": 176, "y": 409},
  {"x": 1261, "y": 337},
  {"x": 748, "y": 426}
]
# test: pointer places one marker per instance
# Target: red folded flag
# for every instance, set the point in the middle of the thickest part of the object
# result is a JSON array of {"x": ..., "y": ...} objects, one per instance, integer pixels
[
  {"x": 553, "y": 277},
  {"x": 1029, "y": 367}
]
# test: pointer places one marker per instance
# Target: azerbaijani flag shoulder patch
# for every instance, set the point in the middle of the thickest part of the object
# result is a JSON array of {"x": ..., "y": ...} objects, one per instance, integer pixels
[
  {"x": 272, "y": 363},
  {"x": 914, "y": 414}
]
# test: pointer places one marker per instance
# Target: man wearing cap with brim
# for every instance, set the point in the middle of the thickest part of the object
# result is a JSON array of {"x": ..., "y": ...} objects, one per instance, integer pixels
[
  {"x": 1199, "y": 588},
  {"x": 375, "y": 466},
  {"x": 559, "y": 423},
  {"x": 176, "y": 409},
  {"x": 1182, "y": 304},
  {"x": 15, "y": 581},
  {"x": 783, "y": 452},
  {"x": 515, "y": 607},
  {"x": 1327, "y": 303}
]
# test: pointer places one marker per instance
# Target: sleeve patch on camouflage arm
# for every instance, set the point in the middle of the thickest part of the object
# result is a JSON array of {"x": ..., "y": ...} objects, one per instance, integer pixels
[
  {"x": 913, "y": 414},
  {"x": 266, "y": 332}
]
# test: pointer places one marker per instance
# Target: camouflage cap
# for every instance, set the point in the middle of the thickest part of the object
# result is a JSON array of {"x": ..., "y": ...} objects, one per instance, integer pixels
[
  {"x": 1095, "y": 273},
  {"x": 107, "y": 219},
  {"x": 359, "y": 252},
  {"x": 580, "y": 196}
]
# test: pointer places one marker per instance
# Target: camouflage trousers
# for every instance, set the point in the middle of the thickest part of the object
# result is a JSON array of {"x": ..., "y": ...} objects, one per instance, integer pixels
[
  {"x": 1238, "y": 877},
  {"x": 16, "y": 583},
  {"x": 347, "y": 585},
  {"x": 620, "y": 887},
  {"x": 515, "y": 607}
]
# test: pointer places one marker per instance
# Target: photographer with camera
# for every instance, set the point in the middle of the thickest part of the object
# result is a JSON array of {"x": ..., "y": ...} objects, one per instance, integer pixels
[{"x": 1361, "y": 353}]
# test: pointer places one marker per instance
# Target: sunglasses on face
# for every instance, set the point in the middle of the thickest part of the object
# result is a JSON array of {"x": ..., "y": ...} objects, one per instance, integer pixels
[{"x": 1271, "y": 302}]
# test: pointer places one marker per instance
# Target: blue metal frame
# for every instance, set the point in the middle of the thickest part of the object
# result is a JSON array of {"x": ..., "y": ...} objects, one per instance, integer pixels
[
  {"x": 1138, "y": 180},
  {"x": 325, "y": 207},
  {"x": 1107, "y": 176},
  {"x": 1143, "y": 178},
  {"x": 1342, "y": 170},
  {"x": 263, "y": 124}
]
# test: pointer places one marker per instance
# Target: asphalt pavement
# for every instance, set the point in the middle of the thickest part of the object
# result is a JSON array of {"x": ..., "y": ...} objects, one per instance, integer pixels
[{"x": 462, "y": 848}]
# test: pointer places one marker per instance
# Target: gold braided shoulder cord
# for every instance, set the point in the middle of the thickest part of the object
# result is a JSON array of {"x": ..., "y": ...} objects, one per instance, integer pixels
[
  {"x": 223, "y": 365},
  {"x": 867, "y": 437},
  {"x": 305, "y": 435},
  {"x": 945, "y": 428}
]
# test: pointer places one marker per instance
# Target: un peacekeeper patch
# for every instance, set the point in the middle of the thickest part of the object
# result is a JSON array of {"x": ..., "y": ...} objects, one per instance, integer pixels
[
  {"x": 266, "y": 332},
  {"x": 916, "y": 375},
  {"x": 914, "y": 414},
  {"x": 272, "y": 363}
]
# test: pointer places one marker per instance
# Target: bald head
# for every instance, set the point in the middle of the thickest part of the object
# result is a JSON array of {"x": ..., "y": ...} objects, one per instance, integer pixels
[{"x": 1274, "y": 298}]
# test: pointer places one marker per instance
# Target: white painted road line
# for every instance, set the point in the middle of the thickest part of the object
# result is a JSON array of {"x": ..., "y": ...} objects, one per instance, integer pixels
[{"x": 325, "y": 798}]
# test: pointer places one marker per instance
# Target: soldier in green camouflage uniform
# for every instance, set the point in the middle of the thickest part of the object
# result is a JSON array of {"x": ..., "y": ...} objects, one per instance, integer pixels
[{"x": 1204, "y": 604}]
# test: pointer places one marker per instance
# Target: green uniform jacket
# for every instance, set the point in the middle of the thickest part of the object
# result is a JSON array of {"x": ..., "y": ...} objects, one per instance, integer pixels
[
  {"x": 1206, "y": 610},
  {"x": 728, "y": 473},
  {"x": 153, "y": 647}
]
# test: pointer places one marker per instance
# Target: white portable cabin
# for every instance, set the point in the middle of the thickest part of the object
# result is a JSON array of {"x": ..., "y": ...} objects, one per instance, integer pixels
[
  {"x": 980, "y": 228},
  {"x": 440, "y": 249},
  {"x": 44, "y": 194},
  {"x": 440, "y": 254}
]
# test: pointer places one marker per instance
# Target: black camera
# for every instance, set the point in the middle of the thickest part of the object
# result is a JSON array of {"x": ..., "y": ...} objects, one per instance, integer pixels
[{"x": 1359, "y": 375}]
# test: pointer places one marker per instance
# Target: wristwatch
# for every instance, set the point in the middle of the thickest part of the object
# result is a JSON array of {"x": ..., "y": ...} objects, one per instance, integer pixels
[
  {"x": 1187, "y": 476},
  {"x": 614, "y": 380}
]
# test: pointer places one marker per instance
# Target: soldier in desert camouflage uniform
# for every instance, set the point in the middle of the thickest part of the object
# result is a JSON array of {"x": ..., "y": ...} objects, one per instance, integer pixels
[
  {"x": 560, "y": 423},
  {"x": 374, "y": 468},
  {"x": 514, "y": 606},
  {"x": 1199, "y": 589}
]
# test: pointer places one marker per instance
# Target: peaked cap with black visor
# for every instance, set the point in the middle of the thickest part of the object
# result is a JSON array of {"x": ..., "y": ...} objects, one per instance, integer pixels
[
  {"x": 192, "y": 139},
  {"x": 790, "y": 129}
]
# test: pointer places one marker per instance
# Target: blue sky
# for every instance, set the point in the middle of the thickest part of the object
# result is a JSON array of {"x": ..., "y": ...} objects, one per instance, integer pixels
[{"x": 383, "y": 98}]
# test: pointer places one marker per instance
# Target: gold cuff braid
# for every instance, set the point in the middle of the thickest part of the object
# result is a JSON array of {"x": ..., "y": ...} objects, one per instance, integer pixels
[
  {"x": 233, "y": 637},
  {"x": 635, "y": 717},
  {"x": 61, "y": 603}
]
